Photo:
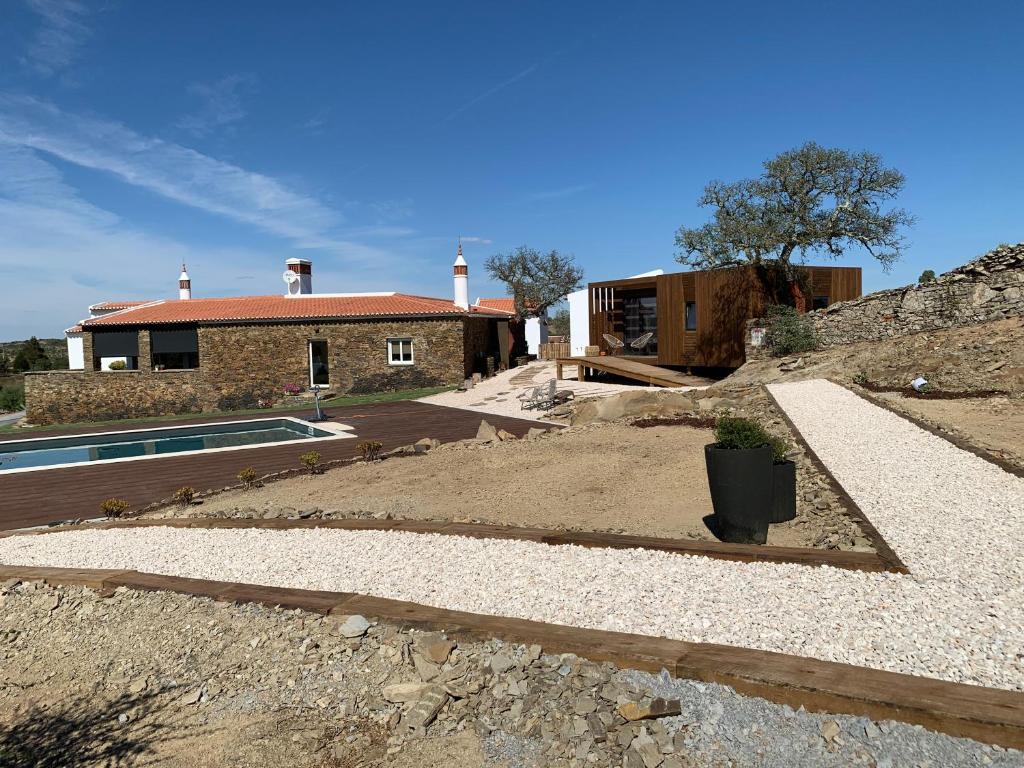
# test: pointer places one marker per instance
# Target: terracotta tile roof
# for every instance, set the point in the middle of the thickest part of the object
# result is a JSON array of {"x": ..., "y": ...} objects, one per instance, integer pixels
[
  {"x": 502, "y": 305},
  {"x": 112, "y": 306},
  {"x": 74, "y": 329},
  {"x": 257, "y": 308}
]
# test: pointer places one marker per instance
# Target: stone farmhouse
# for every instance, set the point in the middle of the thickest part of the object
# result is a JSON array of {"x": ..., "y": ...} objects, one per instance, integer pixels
[{"x": 192, "y": 355}]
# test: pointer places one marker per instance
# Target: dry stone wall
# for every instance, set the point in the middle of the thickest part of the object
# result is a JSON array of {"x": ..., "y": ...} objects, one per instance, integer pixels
[
  {"x": 989, "y": 288},
  {"x": 242, "y": 366}
]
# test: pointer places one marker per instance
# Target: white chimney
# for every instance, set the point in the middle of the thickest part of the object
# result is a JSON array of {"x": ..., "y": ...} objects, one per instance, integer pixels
[
  {"x": 184, "y": 285},
  {"x": 298, "y": 276},
  {"x": 461, "y": 281}
]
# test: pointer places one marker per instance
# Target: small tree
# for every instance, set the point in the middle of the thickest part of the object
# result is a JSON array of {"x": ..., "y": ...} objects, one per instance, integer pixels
[
  {"x": 535, "y": 280},
  {"x": 809, "y": 199},
  {"x": 559, "y": 324},
  {"x": 31, "y": 356},
  {"x": 928, "y": 276}
]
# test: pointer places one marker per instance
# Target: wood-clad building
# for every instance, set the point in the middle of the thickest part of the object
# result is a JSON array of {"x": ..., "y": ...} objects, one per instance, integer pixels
[{"x": 698, "y": 318}]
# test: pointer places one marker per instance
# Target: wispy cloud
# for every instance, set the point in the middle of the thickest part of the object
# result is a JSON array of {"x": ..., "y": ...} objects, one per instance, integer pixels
[
  {"x": 60, "y": 37},
  {"x": 557, "y": 194},
  {"x": 491, "y": 91},
  {"x": 221, "y": 103},
  {"x": 481, "y": 240},
  {"x": 180, "y": 174}
]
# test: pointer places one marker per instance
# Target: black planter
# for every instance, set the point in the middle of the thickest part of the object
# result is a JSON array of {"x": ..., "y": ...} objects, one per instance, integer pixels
[
  {"x": 783, "y": 492},
  {"x": 741, "y": 492}
]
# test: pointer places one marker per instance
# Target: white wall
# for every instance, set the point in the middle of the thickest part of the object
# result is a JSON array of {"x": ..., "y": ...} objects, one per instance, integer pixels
[
  {"x": 76, "y": 352},
  {"x": 579, "y": 316},
  {"x": 536, "y": 333}
]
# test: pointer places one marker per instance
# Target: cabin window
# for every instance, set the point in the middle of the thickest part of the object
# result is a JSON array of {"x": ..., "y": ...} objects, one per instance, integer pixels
[
  {"x": 691, "y": 315},
  {"x": 174, "y": 350},
  {"x": 819, "y": 302},
  {"x": 319, "y": 370},
  {"x": 400, "y": 352},
  {"x": 117, "y": 348}
]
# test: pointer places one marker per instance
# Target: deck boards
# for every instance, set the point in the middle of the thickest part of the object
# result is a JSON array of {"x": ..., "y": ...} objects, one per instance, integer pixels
[
  {"x": 630, "y": 369},
  {"x": 38, "y": 498}
]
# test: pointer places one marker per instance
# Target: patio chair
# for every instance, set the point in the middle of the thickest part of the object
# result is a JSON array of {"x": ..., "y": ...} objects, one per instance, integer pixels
[
  {"x": 531, "y": 398},
  {"x": 614, "y": 344},
  {"x": 640, "y": 342}
]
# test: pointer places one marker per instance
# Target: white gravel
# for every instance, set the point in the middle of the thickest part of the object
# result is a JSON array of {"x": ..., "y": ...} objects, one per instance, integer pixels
[{"x": 952, "y": 619}]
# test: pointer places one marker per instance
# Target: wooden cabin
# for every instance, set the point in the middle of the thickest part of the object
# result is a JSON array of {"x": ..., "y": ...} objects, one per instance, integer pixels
[{"x": 698, "y": 318}]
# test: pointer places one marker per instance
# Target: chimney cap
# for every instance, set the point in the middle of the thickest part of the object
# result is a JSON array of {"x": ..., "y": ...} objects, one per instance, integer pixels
[{"x": 459, "y": 260}]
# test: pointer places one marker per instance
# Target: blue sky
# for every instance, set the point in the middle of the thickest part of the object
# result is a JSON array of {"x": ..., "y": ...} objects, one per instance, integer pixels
[{"x": 369, "y": 136}]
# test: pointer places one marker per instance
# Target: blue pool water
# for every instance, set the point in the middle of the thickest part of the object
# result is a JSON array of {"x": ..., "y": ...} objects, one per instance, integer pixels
[{"x": 53, "y": 451}]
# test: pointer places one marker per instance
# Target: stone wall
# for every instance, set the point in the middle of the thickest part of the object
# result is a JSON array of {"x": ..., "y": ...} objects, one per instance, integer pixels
[
  {"x": 989, "y": 288},
  {"x": 242, "y": 365}
]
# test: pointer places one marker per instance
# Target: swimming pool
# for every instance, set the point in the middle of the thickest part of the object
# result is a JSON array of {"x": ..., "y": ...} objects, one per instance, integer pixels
[{"x": 131, "y": 445}]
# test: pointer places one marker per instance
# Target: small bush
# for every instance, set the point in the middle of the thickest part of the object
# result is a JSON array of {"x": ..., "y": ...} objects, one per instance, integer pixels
[
  {"x": 788, "y": 331},
  {"x": 737, "y": 433},
  {"x": 183, "y": 496},
  {"x": 780, "y": 449},
  {"x": 860, "y": 378},
  {"x": 117, "y": 365},
  {"x": 112, "y": 508},
  {"x": 248, "y": 477},
  {"x": 11, "y": 399},
  {"x": 311, "y": 462},
  {"x": 369, "y": 449},
  {"x": 928, "y": 276}
]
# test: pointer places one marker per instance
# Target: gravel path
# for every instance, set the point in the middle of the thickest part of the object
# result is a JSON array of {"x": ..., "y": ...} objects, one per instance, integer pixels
[{"x": 958, "y": 617}]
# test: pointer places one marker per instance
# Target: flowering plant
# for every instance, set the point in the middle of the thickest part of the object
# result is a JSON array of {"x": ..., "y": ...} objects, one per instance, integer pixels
[{"x": 292, "y": 389}]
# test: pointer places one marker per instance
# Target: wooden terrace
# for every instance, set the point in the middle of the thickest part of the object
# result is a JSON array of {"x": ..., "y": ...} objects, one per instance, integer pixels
[{"x": 653, "y": 375}]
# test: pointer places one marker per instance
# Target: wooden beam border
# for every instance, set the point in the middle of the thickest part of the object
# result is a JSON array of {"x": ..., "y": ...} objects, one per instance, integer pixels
[{"x": 986, "y": 714}]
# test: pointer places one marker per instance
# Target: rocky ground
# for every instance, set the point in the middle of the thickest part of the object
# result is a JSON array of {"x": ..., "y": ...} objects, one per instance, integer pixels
[
  {"x": 136, "y": 678},
  {"x": 601, "y": 474}
]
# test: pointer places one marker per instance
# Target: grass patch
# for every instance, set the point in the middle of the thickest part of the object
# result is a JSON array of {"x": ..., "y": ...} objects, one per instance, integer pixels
[{"x": 345, "y": 401}]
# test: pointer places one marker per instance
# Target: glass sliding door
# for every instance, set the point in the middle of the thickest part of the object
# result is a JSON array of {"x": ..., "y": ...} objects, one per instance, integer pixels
[
  {"x": 319, "y": 371},
  {"x": 640, "y": 317}
]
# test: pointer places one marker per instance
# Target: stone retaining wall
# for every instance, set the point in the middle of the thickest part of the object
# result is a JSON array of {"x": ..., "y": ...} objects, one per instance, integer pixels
[
  {"x": 989, "y": 288},
  {"x": 241, "y": 366}
]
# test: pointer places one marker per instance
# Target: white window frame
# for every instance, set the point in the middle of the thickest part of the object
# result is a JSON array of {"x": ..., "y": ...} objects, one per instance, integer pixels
[
  {"x": 309, "y": 353},
  {"x": 399, "y": 340}
]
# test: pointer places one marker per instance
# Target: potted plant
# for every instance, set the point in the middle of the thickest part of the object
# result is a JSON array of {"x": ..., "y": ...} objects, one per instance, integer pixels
[
  {"x": 783, "y": 483},
  {"x": 739, "y": 469}
]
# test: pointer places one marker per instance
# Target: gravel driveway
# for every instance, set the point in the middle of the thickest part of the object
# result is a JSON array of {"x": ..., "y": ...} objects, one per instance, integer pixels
[{"x": 956, "y": 520}]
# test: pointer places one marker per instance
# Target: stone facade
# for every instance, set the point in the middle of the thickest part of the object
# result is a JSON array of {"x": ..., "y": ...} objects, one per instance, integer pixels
[
  {"x": 242, "y": 365},
  {"x": 989, "y": 288}
]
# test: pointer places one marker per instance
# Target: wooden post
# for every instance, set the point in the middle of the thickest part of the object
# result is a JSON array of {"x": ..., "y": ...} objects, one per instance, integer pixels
[
  {"x": 579, "y": 372},
  {"x": 558, "y": 369}
]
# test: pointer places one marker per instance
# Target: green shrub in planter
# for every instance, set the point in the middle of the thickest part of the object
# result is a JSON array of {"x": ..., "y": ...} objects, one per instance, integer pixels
[
  {"x": 738, "y": 433},
  {"x": 739, "y": 469}
]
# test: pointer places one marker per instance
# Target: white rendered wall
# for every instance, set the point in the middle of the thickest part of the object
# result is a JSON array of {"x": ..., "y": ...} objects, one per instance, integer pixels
[
  {"x": 536, "y": 333},
  {"x": 76, "y": 352}
]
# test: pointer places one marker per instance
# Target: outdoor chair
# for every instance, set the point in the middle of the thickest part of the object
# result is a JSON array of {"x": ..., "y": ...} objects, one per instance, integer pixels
[
  {"x": 614, "y": 344},
  {"x": 531, "y": 398},
  {"x": 640, "y": 342}
]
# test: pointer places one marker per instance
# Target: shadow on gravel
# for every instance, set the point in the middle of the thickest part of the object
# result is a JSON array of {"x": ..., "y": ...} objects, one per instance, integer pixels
[{"x": 85, "y": 734}]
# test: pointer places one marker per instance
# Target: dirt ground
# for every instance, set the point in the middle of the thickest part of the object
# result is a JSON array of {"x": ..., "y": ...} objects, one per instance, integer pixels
[
  {"x": 995, "y": 424},
  {"x": 607, "y": 477}
]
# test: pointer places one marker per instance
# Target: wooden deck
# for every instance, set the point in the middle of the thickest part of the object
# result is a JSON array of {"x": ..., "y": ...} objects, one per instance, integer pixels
[
  {"x": 626, "y": 368},
  {"x": 46, "y": 496}
]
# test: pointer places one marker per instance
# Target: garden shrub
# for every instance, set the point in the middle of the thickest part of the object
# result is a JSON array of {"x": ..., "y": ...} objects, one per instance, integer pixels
[
  {"x": 114, "y": 507},
  {"x": 788, "y": 331},
  {"x": 117, "y": 365},
  {"x": 248, "y": 477},
  {"x": 183, "y": 496},
  {"x": 11, "y": 399},
  {"x": 369, "y": 449},
  {"x": 311, "y": 461},
  {"x": 737, "y": 433},
  {"x": 780, "y": 449}
]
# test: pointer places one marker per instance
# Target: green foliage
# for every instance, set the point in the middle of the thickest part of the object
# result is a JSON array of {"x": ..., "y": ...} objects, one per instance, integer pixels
[
  {"x": 788, "y": 331},
  {"x": 558, "y": 325},
  {"x": 780, "y": 449},
  {"x": 536, "y": 281},
  {"x": 117, "y": 365},
  {"x": 738, "y": 433},
  {"x": 369, "y": 450},
  {"x": 31, "y": 356},
  {"x": 928, "y": 276},
  {"x": 310, "y": 462},
  {"x": 11, "y": 399},
  {"x": 5, "y": 364},
  {"x": 183, "y": 497},
  {"x": 861, "y": 378},
  {"x": 114, "y": 507},
  {"x": 808, "y": 200},
  {"x": 248, "y": 477}
]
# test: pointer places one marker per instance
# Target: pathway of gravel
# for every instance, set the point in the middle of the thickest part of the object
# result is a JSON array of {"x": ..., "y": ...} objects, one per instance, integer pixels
[{"x": 953, "y": 620}]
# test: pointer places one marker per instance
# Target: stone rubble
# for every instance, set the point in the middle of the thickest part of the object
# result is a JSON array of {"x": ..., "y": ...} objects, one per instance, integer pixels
[{"x": 359, "y": 701}]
